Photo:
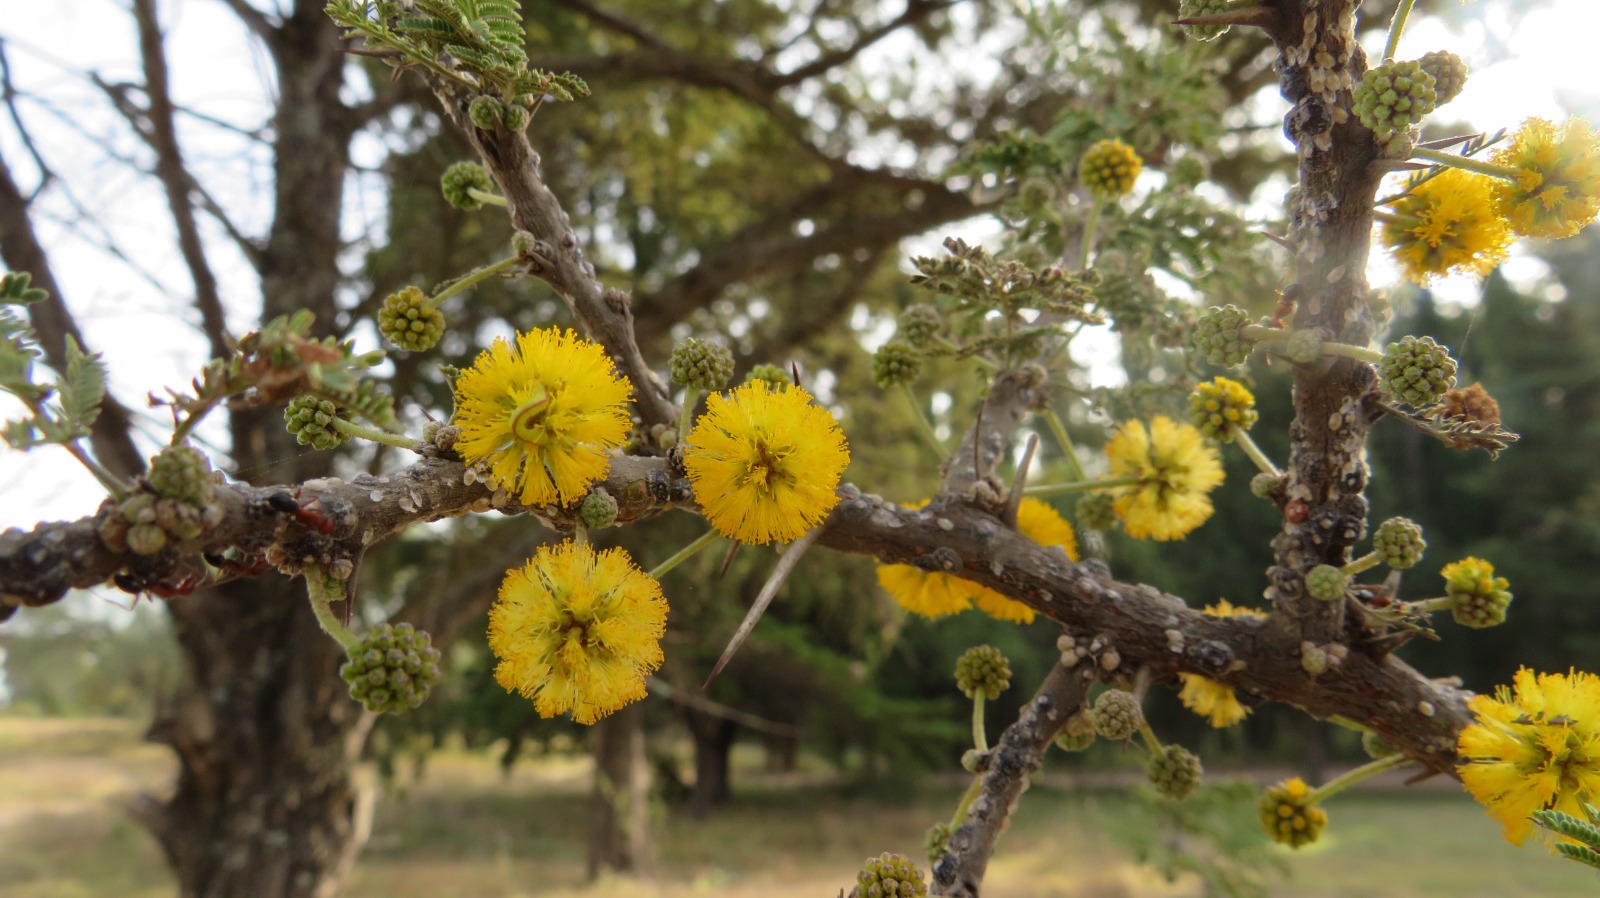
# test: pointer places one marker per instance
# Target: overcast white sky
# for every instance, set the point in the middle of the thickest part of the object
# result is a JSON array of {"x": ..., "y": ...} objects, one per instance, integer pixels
[{"x": 1546, "y": 68}]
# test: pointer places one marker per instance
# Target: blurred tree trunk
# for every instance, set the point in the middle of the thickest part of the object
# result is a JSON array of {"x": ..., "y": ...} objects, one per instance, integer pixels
[
  {"x": 263, "y": 729},
  {"x": 782, "y": 753},
  {"x": 713, "y": 741},
  {"x": 619, "y": 838}
]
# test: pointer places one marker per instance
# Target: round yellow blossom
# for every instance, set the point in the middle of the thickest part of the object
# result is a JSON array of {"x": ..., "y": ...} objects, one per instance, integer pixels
[
  {"x": 1175, "y": 468},
  {"x": 1288, "y": 816},
  {"x": 1447, "y": 223},
  {"x": 577, "y": 630},
  {"x": 542, "y": 415},
  {"x": 1109, "y": 169},
  {"x": 1221, "y": 407},
  {"x": 1207, "y": 697},
  {"x": 934, "y": 594},
  {"x": 765, "y": 463},
  {"x": 1556, "y": 191},
  {"x": 1535, "y": 745}
]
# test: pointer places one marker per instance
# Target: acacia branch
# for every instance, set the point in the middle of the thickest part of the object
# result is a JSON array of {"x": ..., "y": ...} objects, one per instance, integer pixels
[
  {"x": 256, "y": 21},
  {"x": 175, "y": 178},
  {"x": 915, "y": 11},
  {"x": 1005, "y": 776}
]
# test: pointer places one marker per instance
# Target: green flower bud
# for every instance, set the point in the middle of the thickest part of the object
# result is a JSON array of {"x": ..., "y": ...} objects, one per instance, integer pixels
[
  {"x": 774, "y": 375},
  {"x": 1374, "y": 746},
  {"x": 1117, "y": 715},
  {"x": 1394, "y": 97},
  {"x": 599, "y": 510},
  {"x": 1399, "y": 543},
  {"x": 701, "y": 365},
  {"x": 181, "y": 472},
  {"x": 920, "y": 325},
  {"x": 1326, "y": 582},
  {"x": 484, "y": 111},
  {"x": 1449, "y": 73},
  {"x": 935, "y": 841},
  {"x": 1287, "y": 816},
  {"x": 409, "y": 322},
  {"x": 1097, "y": 511},
  {"x": 392, "y": 668},
  {"x": 983, "y": 669},
  {"x": 1075, "y": 741},
  {"x": 146, "y": 539},
  {"x": 310, "y": 420},
  {"x": 1219, "y": 336},
  {"x": 515, "y": 116},
  {"x": 1175, "y": 772},
  {"x": 461, "y": 177},
  {"x": 1264, "y": 485},
  {"x": 895, "y": 363},
  {"x": 1416, "y": 371},
  {"x": 1480, "y": 598}
]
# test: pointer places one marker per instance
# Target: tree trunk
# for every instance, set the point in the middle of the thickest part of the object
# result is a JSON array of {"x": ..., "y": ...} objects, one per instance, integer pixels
[
  {"x": 782, "y": 753},
  {"x": 619, "y": 838},
  {"x": 713, "y": 741},
  {"x": 265, "y": 737}
]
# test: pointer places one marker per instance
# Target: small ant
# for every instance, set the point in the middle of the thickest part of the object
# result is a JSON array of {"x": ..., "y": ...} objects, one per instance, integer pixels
[
  {"x": 161, "y": 589},
  {"x": 309, "y": 518}
]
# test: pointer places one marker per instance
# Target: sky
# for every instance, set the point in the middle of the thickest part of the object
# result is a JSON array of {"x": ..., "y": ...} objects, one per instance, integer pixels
[{"x": 124, "y": 299}]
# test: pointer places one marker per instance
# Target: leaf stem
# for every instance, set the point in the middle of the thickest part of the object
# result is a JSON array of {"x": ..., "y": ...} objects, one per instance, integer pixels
[
  {"x": 924, "y": 426},
  {"x": 377, "y": 436},
  {"x": 470, "y": 278},
  {"x": 1351, "y": 777},
  {"x": 1082, "y": 486},
  {"x": 1250, "y": 448},
  {"x": 1358, "y": 353},
  {"x": 1365, "y": 562},
  {"x": 1503, "y": 172},
  {"x": 1086, "y": 247},
  {"x": 323, "y": 591},
  {"x": 1059, "y": 431},
  {"x": 1397, "y": 26},
  {"x": 684, "y": 554},
  {"x": 980, "y": 739},
  {"x": 485, "y": 197}
]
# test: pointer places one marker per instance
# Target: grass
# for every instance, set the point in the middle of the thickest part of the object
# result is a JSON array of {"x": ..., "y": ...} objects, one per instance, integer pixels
[{"x": 463, "y": 831}]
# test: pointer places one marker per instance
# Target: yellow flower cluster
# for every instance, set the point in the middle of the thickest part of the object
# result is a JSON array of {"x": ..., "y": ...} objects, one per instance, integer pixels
[
  {"x": 576, "y": 630},
  {"x": 1447, "y": 223},
  {"x": 1207, "y": 697},
  {"x": 1221, "y": 408},
  {"x": 765, "y": 462},
  {"x": 542, "y": 415},
  {"x": 935, "y": 594},
  {"x": 1109, "y": 169},
  {"x": 1556, "y": 191},
  {"x": 1535, "y": 745},
  {"x": 1175, "y": 469}
]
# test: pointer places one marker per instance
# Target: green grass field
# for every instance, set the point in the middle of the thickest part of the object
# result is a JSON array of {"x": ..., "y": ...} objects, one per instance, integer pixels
[{"x": 464, "y": 832}]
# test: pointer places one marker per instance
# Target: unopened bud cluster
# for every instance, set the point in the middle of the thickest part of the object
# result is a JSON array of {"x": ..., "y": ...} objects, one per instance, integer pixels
[
  {"x": 1117, "y": 715},
  {"x": 1394, "y": 98},
  {"x": 1399, "y": 543},
  {"x": 1288, "y": 817},
  {"x": 895, "y": 363},
  {"x": 774, "y": 375},
  {"x": 176, "y": 504},
  {"x": 310, "y": 420},
  {"x": 460, "y": 179},
  {"x": 1219, "y": 335},
  {"x": 1449, "y": 73},
  {"x": 181, "y": 472},
  {"x": 1480, "y": 599},
  {"x": 920, "y": 325},
  {"x": 392, "y": 668},
  {"x": 983, "y": 670},
  {"x": 1326, "y": 582},
  {"x": 701, "y": 365},
  {"x": 1416, "y": 370},
  {"x": 1175, "y": 772},
  {"x": 408, "y": 321}
]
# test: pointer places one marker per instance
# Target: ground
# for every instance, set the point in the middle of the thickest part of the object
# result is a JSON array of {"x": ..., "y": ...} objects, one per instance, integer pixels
[{"x": 464, "y": 832}]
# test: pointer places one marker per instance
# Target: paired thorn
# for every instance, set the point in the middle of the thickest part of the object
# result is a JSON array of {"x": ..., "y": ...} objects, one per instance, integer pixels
[
  {"x": 769, "y": 591},
  {"x": 1014, "y": 500},
  {"x": 1256, "y": 16}
]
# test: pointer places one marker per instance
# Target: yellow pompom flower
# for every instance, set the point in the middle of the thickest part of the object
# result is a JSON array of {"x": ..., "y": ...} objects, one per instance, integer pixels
[
  {"x": 1535, "y": 745},
  {"x": 764, "y": 463},
  {"x": 1207, "y": 697},
  {"x": 934, "y": 594},
  {"x": 1447, "y": 223},
  {"x": 1175, "y": 468},
  {"x": 1556, "y": 168},
  {"x": 1109, "y": 169},
  {"x": 1221, "y": 408},
  {"x": 577, "y": 630},
  {"x": 542, "y": 415},
  {"x": 1287, "y": 815}
]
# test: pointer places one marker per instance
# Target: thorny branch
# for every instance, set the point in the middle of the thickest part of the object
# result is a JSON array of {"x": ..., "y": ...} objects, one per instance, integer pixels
[{"x": 1135, "y": 626}]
